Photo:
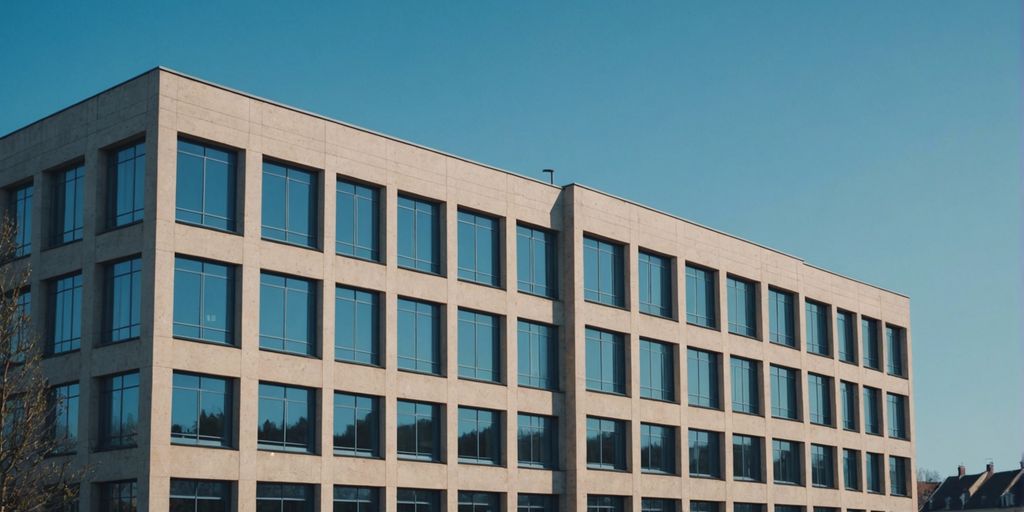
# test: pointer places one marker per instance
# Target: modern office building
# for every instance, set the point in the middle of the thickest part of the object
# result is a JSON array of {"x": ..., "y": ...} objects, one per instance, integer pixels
[{"x": 251, "y": 307}]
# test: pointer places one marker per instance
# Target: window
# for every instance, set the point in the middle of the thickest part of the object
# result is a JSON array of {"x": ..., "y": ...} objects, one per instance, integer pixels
[
  {"x": 67, "y": 313},
  {"x": 705, "y": 454},
  {"x": 606, "y": 361},
  {"x": 119, "y": 410},
  {"x": 538, "y": 442},
  {"x": 746, "y": 387},
  {"x": 785, "y": 400},
  {"x": 124, "y": 292},
  {"x": 204, "y": 300},
  {"x": 419, "y": 500},
  {"x": 206, "y": 186},
  {"x": 869, "y": 337},
  {"x": 655, "y": 284},
  {"x": 200, "y": 496},
  {"x": 657, "y": 505},
  {"x": 873, "y": 467},
  {"x": 700, "y": 297},
  {"x": 419, "y": 235},
  {"x": 287, "y": 418},
  {"x": 356, "y": 325},
  {"x": 851, "y": 470},
  {"x": 781, "y": 324},
  {"x": 823, "y": 473},
  {"x": 746, "y": 458},
  {"x": 478, "y": 436},
  {"x": 479, "y": 254},
  {"x": 742, "y": 296},
  {"x": 872, "y": 411},
  {"x": 705, "y": 506},
  {"x": 68, "y": 189},
  {"x": 201, "y": 410},
  {"x": 897, "y": 416},
  {"x": 127, "y": 184},
  {"x": 419, "y": 336},
  {"x": 748, "y": 507},
  {"x": 419, "y": 431},
  {"x": 289, "y": 205},
  {"x": 597, "y": 503},
  {"x": 21, "y": 213},
  {"x": 817, "y": 328},
  {"x": 20, "y": 323},
  {"x": 479, "y": 346},
  {"x": 357, "y": 221},
  {"x": 537, "y": 261},
  {"x": 356, "y": 499},
  {"x": 606, "y": 443},
  {"x": 847, "y": 341},
  {"x": 657, "y": 371},
  {"x": 702, "y": 378},
  {"x": 275, "y": 497},
  {"x": 894, "y": 350},
  {"x": 537, "y": 503},
  {"x": 356, "y": 425},
  {"x": 819, "y": 398},
  {"x": 657, "y": 449},
  {"x": 786, "y": 460},
  {"x": 287, "y": 322},
  {"x": 849, "y": 395},
  {"x": 538, "y": 357},
  {"x": 65, "y": 417},
  {"x": 120, "y": 496},
  {"x": 478, "y": 501},
  {"x": 603, "y": 272}
]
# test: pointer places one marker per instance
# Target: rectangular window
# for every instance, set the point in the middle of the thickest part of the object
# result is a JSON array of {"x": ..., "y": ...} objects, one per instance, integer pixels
[
  {"x": 20, "y": 324},
  {"x": 897, "y": 476},
  {"x": 479, "y": 441},
  {"x": 851, "y": 469},
  {"x": 603, "y": 272},
  {"x": 357, "y": 221},
  {"x": 120, "y": 496},
  {"x": 785, "y": 399},
  {"x": 206, "y": 186},
  {"x": 356, "y": 499},
  {"x": 705, "y": 506},
  {"x": 419, "y": 500},
  {"x": 127, "y": 184},
  {"x": 746, "y": 386},
  {"x": 873, "y": 470},
  {"x": 124, "y": 300},
  {"x": 479, "y": 346},
  {"x": 536, "y": 503},
  {"x": 419, "y": 336},
  {"x": 657, "y": 449},
  {"x": 356, "y": 325},
  {"x": 66, "y": 300},
  {"x": 701, "y": 297},
  {"x": 872, "y": 411},
  {"x": 705, "y": 454},
  {"x": 894, "y": 349},
  {"x": 658, "y": 505},
  {"x": 606, "y": 443},
  {"x": 818, "y": 329},
  {"x": 538, "y": 442},
  {"x": 287, "y": 418},
  {"x": 201, "y": 410},
  {"x": 598, "y": 503},
  {"x": 746, "y": 458},
  {"x": 287, "y": 314},
  {"x": 847, "y": 341},
  {"x": 748, "y": 507},
  {"x": 419, "y": 431},
  {"x": 21, "y": 213},
  {"x": 787, "y": 462},
  {"x": 538, "y": 355},
  {"x": 479, "y": 254},
  {"x": 119, "y": 410},
  {"x": 204, "y": 300},
  {"x": 478, "y": 501},
  {"x": 68, "y": 219},
  {"x": 655, "y": 284},
  {"x": 606, "y": 361},
  {"x": 65, "y": 417},
  {"x": 657, "y": 370},
  {"x": 702, "y": 378},
  {"x": 742, "y": 295},
  {"x": 356, "y": 425},
  {"x": 869, "y": 338},
  {"x": 897, "y": 416},
  {"x": 537, "y": 261},
  {"x": 273, "y": 497},
  {"x": 849, "y": 395},
  {"x": 781, "y": 318},
  {"x": 199, "y": 495},
  {"x": 419, "y": 235},
  {"x": 823, "y": 472},
  {"x": 290, "y": 210},
  {"x": 819, "y": 398}
]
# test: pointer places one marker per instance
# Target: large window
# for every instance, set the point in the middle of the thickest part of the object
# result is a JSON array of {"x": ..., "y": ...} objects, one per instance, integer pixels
[
  {"x": 419, "y": 336},
  {"x": 823, "y": 472},
  {"x": 287, "y": 314},
  {"x": 606, "y": 361},
  {"x": 119, "y": 410},
  {"x": 748, "y": 507},
  {"x": 201, "y": 410},
  {"x": 538, "y": 355},
  {"x": 356, "y": 499},
  {"x": 898, "y": 475},
  {"x": 746, "y": 458},
  {"x": 68, "y": 219},
  {"x": 287, "y": 418},
  {"x": 746, "y": 386},
  {"x": 204, "y": 300},
  {"x": 20, "y": 324},
  {"x": 479, "y": 431},
  {"x": 199, "y": 496},
  {"x": 658, "y": 505},
  {"x": 538, "y": 441},
  {"x": 781, "y": 318},
  {"x": 655, "y": 284},
  {"x": 702, "y": 369},
  {"x": 851, "y": 469},
  {"x": 479, "y": 254},
  {"x": 604, "y": 272},
  {"x": 275, "y": 497},
  {"x": 873, "y": 470},
  {"x": 819, "y": 398},
  {"x": 818, "y": 329},
  {"x": 537, "y": 261},
  {"x": 894, "y": 349},
  {"x": 479, "y": 346},
  {"x": 897, "y": 416},
  {"x": 66, "y": 313},
  {"x": 847, "y": 337},
  {"x": 742, "y": 295},
  {"x": 606, "y": 443},
  {"x": 705, "y": 506},
  {"x": 206, "y": 186},
  {"x": 657, "y": 449},
  {"x": 356, "y": 425},
  {"x": 600, "y": 503},
  {"x": 657, "y": 370},
  {"x": 127, "y": 184},
  {"x": 65, "y": 417},
  {"x": 478, "y": 501},
  {"x": 356, "y": 325},
  {"x": 785, "y": 399},
  {"x": 848, "y": 390},
  {"x": 872, "y": 411},
  {"x": 21, "y": 213},
  {"x": 290, "y": 210},
  {"x": 869, "y": 341},
  {"x": 701, "y": 297},
  {"x": 122, "y": 496},
  {"x": 419, "y": 431},
  {"x": 357, "y": 221},
  {"x": 419, "y": 235},
  {"x": 536, "y": 503},
  {"x": 705, "y": 454},
  {"x": 419, "y": 500},
  {"x": 124, "y": 300},
  {"x": 787, "y": 462}
]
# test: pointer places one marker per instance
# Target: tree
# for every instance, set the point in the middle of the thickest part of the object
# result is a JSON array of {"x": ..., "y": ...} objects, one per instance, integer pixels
[
  {"x": 928, "y": 475},
  {"x": 31, "y": 480}
]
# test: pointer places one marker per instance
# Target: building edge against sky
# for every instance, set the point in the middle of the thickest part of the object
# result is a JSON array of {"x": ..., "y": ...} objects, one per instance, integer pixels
[{"x": 700, "y": 365}]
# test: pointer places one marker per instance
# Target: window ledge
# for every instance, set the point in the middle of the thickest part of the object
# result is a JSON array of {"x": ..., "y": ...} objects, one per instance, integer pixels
[
  {"x": 421, "y": 372},
  {"x": 110, "y": 229},
  {"x": 359, "y": 363},
  {"x": 421, "y": 271},
  {"x": 538, "y": 388},
  {"x": 211, "y": 228},
  {"x": 668, "y": 317},
  {"x": 204, "y": 342},
  {"x": 707, "y": 407},
  {"x": 498, "y": 287},
  {"x": 794, "y": 346},
  {"x": 285, "y": 352},
  {"x": 271, "y": 449},
  {"x": 610, "y": 470},
  {"x": 610, "y": 393},
  {"x": 360, "y": 258},
  {"x": 548, "y": 297},
  {"x": 52, "y": 355},
  {"x": 483, "y": 381},
  {"x": 58, "y": 245},
  {"x": 205, "y": 446},
  {"x": 101, "y": 449},
  {"x": 745, "y": 336},
  {"x": 710, "y": 328},
  {"x": 605, "y": 304},
  {"x": 118, "y": 342},
  {"x": 356, "y": 456},
  {"x": 282, "y": 242}
]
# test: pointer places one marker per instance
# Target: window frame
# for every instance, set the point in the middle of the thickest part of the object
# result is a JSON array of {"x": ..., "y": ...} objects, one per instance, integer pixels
[
  {"x": 285, "y": 288},
  {"x": 313, "y": 237},
  {"x": 470, "y": 222},
  {"x": 707, "y": 279},
  {"x": 414, "y": 361},
  {"x": 229, "y": 284},
  {"x": 666, "y": 355},
  {"x": 694, "y": 365},
  {"x": 792, "y": 393},
  {"x": 110, "y": 306},
  {"x": 535, "y": 379},
  {"x": 818, "y": 328},
  {"x": 711, "y": 442},
  {"x": 610, "y": 348},
  {"x": 486, "y": 434},
  {"x": 361, "y": 298},
  {"x": 543, "y": 438},
  {"x": 136, "y": 213},
  {"x": 607, "y": 430},
  {"x": 437, "y": 451},
  {"x": 360, "y": 404},
  {"x": 434, "y": 262},
  {"x": 374, "y": 251},
  {"x": 470, "y": 319},
  {"x": 753, "y": 385},
  {"x": 229, "y": 223},
  {"x": 781, "y": 467},
  {"x": 647, "y": 262},
  {"x": 529, "y": 237},
  {"x": 667, "y": 456},
  {"x": 782, "y": 306},
  {"x": 747, "y": 457},
  {"x": 69, "y": 175},
  {"x": 284, "y": 445},
  {"x": 226, "y": 440},
  {"x": 750, "y": 290},
  {"x": 108, "y": 440},
  {"x": 615, "y": 252}
]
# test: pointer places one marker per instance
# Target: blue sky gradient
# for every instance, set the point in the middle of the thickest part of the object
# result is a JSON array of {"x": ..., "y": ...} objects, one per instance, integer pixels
[{"x": 881, "y": 140}]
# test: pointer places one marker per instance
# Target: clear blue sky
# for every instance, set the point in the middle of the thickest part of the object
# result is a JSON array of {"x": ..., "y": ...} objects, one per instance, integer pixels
[{"x": 881, "y": 140}]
